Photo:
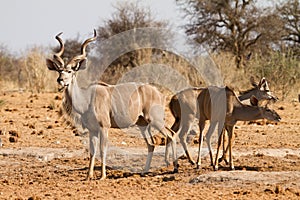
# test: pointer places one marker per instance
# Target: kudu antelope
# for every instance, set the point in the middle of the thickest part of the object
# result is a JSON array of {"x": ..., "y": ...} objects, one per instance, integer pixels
[
  {"x": 103, "y": 106},
  {"x": 260, "y": 91},
  {"x": 234, "y": 111},
  {"x": 184, "y": 108}
]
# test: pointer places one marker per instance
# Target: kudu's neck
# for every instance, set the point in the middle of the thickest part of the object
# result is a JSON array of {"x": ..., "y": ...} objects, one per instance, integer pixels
[
  {"x": 76, "y": 98},
  {"x": 247, "y": 95},
  {"x": 247, "y": 113}
]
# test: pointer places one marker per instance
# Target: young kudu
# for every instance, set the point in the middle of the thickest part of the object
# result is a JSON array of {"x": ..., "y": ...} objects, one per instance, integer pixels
[
  {"x": 102, "y": 106},
  {"x": 184, "y": 108},
  {"x": 234, "y": 111},
  {"x": 260, "y": 91}
]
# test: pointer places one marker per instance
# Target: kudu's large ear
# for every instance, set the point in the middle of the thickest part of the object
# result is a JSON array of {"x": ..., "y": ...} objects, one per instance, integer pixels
[
  {"x": 51, "y": 65},
  {"x": 262, "y": 82},
  {"x": 252, "y": 81},
  {"x": 253, "y": 101},
  {"x": 81, "y": 65}
]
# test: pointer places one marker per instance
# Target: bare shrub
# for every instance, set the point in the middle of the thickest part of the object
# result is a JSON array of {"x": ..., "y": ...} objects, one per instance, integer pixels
[
  {"x": 37, "y": 73},
  {"x": 159, "y": 57},
  {"x": 282, "y": 70},
  {"x": 10, "y": 72}
]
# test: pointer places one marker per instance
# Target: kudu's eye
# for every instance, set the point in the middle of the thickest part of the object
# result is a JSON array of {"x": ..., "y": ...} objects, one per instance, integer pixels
[{"x": 69, "y": 71}]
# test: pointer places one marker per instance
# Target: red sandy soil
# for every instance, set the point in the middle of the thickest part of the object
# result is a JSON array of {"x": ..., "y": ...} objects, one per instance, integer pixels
[{"x": 43, "y": 157}]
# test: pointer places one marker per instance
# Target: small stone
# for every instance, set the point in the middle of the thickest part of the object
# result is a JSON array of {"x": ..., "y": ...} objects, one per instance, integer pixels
[
  {"x": 13, "y": 133},
  {"x": 278, "y": 189},
  {"x": 12, "y": 139},
  {"x": 171, "y": 178}
]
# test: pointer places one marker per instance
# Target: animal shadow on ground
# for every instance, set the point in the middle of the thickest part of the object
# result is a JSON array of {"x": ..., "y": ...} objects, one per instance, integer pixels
[
  {"x": 241, "y": 167},
  {"x": 119, "y": 174}
]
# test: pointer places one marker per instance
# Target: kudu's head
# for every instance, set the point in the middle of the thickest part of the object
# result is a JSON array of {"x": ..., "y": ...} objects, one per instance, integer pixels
[
  {"x": 266, "y": 112},
  {"x": 262, "y": 90},
  {"x": 67, "y": 71}
]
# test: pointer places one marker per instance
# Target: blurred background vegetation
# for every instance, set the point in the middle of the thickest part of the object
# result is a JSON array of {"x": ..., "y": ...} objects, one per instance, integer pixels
[{"x": 243, "y": 39}]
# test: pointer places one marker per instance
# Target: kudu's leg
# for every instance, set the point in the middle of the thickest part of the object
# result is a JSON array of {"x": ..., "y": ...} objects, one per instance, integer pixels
[
  {"x": 175, "y": 128},
  {"x": 176, "y": 125},
  {"x": 225, "y": 149},
  {"x": 200, "y": 141},
  {"x": 216, "y": 165},
  {"x": 221, "y": 132},
  {"x": 230, "y": 139},
  {"x": 149, "y": 158},
  {"x": 209, "y": 133},
  {"x": 103, "y": 150},
  {"x": 159, "y": 124},
  {"x": 93, "y": 143},
  {"x": 144, "y": 128},
  {"x": 186, "y": 125},
  {"x": 150, "y": 150},
  {"x": 171, "y": 142}
]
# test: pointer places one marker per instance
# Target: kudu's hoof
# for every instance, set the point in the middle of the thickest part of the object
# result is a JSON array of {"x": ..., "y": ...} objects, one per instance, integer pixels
[
  {"x": 220, "y": 159},
  {"x": 216, "y": 168},
  {"x": 223, "y": 159},
  {"x": 192, "y": 162},
  {"x": 144, "y": 174},
  {"x": 168, "y": 164},
  {"x": 176, "y": 166},
  {"x": 175, "y": 171}
]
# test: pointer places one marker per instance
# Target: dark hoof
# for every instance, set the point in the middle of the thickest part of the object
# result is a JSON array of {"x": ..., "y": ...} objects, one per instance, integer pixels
[
  {"x": 192, "y": 162},
  {"x": 88, "y": 178},
  {"x": 223, "y": 159},
  {"x": 144, "y": 174}
]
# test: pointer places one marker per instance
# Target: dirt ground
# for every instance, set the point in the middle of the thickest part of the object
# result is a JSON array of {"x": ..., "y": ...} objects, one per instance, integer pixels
[{"x": 41, "y": 157}]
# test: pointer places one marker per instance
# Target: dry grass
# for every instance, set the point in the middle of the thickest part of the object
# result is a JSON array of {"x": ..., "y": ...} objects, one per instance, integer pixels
[{"x": 164, "y": 69}]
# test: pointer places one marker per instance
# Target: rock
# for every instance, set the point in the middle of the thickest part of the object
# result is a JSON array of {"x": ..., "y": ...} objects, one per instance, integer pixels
[
  {"x": 13, "y": 139},
  {"x": 278, "y": 189},
  {"x": 34, "y": 198},
  {"x": 171, "y": 178},
  {"x": 268, "y": 190},
  {"x": 13, "y": 133}
]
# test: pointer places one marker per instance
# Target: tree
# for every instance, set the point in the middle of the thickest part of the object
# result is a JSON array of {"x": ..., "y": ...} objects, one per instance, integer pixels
[
  {"x": 290, "y": 15},
  {"x": 129, "y": 16},
  {"x": 230, "y": 25}
]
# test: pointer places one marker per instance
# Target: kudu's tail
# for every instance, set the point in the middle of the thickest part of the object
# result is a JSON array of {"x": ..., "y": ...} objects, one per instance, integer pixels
[{"x": 174, "y": 107}]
